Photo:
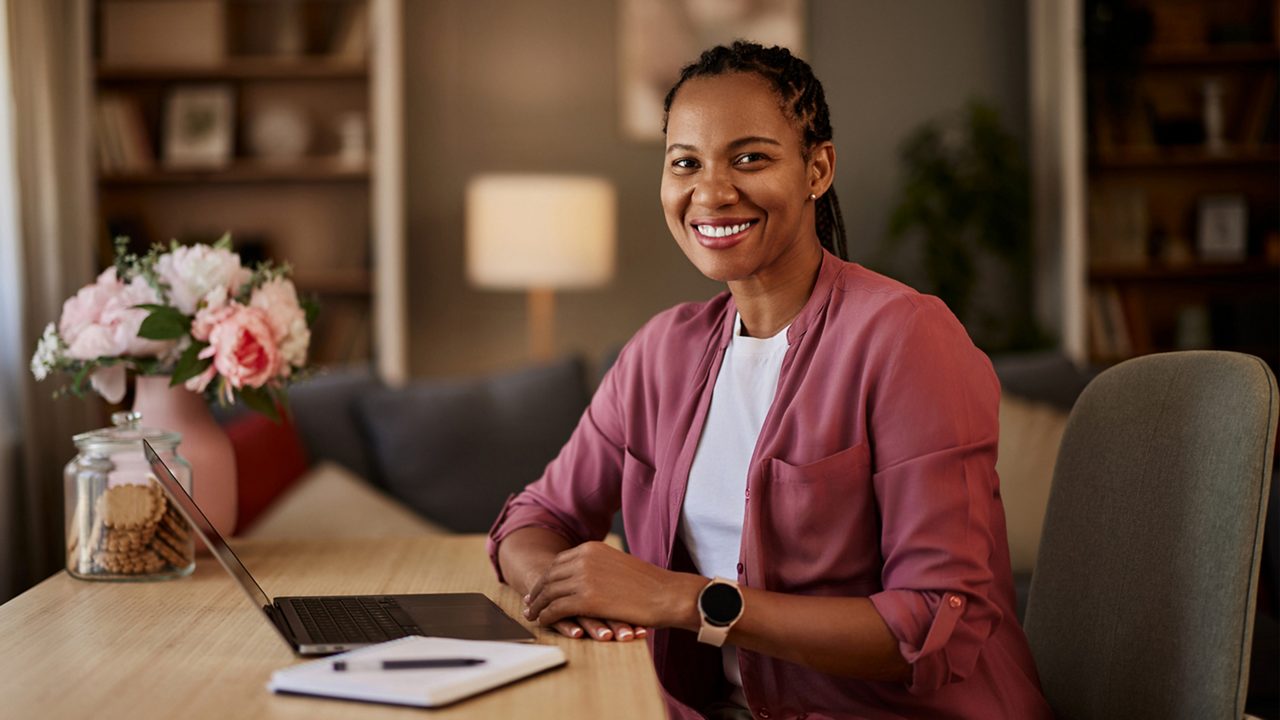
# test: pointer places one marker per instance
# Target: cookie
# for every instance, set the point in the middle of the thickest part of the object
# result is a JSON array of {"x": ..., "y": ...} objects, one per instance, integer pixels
[
  {"x": 176, "y": 524},
  {"x": 127, "y": 540},
  {"x": 169, "y": 554},
  {"x": 129, "y": 507},
  {"x": 129, "y": 563}
]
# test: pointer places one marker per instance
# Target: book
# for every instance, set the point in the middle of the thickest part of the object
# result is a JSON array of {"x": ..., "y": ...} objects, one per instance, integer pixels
[{"x": 504, "y": 663}]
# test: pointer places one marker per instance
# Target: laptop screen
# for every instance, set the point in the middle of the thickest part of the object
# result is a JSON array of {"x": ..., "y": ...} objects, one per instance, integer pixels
[{"x": 205, "y": 529}]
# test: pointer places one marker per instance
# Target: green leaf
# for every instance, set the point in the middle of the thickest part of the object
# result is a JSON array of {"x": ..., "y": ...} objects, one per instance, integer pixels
[
  {"x": 260, "y": 399},
  {"x": 190, "y": 364},
  {"x": 164, "y": 323}
]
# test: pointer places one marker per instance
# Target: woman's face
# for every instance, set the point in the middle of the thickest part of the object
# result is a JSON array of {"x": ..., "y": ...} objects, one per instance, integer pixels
[{"x": 736, "y": 184}]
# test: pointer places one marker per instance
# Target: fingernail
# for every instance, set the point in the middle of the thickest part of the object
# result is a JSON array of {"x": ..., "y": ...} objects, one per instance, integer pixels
[
  {"x": 576, "y": 632},
  {"x": 624, "y": 634},
  {"x": 527, "y": 598},
  {"x": 602, "y": 633},
  {"x": 641, "y": 632}
]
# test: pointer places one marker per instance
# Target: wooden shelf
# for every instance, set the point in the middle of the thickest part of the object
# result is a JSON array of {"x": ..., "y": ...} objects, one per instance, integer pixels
[
  {"x": 1191, "y": 157},
  {"x": 242, "y": 68},
  {"x": 310, "y": 170},
  {"x": 334, "y": 282},
  {"x": 1156, "y": 273}
]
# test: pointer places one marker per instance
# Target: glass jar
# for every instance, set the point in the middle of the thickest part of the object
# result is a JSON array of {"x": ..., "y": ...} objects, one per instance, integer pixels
[{"x": 121, "y": 524}]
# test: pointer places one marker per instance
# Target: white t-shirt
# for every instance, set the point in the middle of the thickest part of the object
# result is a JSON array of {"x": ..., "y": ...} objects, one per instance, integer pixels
[{"x": 715, "y": 499}]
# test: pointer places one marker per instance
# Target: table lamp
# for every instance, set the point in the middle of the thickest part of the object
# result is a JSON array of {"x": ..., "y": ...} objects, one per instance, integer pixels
[{"x": 540, "y": 233}]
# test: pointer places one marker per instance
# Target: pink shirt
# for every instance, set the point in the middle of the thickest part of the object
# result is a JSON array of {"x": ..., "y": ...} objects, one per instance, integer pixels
[{"x": 874, "y": 476}]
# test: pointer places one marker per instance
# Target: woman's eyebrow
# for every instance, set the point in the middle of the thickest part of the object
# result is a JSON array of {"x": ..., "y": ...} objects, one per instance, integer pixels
[{"x": 749, "y": 140}]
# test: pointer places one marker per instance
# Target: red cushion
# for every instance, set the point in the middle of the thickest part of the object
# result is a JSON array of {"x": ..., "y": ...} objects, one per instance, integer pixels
[{"x": 269, "y": 458}]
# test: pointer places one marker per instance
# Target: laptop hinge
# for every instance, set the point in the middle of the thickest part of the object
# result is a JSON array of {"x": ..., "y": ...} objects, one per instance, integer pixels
[{"x": 277, "y": 618}]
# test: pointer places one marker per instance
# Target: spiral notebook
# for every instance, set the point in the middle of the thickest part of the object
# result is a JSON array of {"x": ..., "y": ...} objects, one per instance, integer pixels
[{"x": 504, "y": 663}]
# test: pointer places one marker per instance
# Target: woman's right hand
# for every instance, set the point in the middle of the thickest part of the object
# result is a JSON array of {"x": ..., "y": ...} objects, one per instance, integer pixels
[{"x": 600, "y": 630}]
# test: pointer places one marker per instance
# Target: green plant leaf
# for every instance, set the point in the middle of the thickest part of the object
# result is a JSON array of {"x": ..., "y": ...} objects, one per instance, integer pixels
[
  {"x": 260, "y": 399},
  {"x": 164, "y": 323},
  {"x": 190, "y": 364}
]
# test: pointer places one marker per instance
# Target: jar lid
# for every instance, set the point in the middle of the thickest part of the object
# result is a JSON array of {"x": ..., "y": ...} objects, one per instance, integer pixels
[{"x": 127, "y": 433}]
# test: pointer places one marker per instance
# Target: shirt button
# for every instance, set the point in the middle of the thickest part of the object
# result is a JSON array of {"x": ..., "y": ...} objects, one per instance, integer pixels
[
  {"x": 748, "y": 493},
  {"x": 955, "y": 601},
  {"x": 763, "y": 713},
  {"x": 739, "y": 568}
]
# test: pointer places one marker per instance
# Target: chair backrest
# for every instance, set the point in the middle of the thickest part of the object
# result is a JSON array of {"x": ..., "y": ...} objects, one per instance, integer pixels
[{"x": 1142, "y": 600}]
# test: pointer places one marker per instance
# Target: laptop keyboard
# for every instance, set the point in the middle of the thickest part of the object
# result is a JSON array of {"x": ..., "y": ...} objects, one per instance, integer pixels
[{"x": 352, "y": 619}]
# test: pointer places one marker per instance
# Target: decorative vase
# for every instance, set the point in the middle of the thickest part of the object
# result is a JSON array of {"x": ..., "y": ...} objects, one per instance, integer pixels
[{"x": 204, "y": 444}]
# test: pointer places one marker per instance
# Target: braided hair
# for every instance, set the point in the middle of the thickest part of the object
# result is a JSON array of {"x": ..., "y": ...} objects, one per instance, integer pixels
[{"x": 802, "y": 99}]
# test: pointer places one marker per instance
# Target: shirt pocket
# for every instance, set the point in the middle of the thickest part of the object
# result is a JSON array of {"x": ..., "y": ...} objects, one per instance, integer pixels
[
  {"x": 640, "y": 508},
  {"x": 819, "y": 526}
]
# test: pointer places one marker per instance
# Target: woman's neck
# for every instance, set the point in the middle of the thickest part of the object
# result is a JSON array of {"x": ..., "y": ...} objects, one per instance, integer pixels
[{"x": 768, "y": 304}]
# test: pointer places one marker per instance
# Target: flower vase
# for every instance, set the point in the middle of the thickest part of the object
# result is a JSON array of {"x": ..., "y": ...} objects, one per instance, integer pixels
[{"x": 204, "y": 444}]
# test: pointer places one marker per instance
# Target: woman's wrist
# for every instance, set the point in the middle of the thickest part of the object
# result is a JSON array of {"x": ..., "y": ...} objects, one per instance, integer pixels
[{"x": 680, "y": 604}]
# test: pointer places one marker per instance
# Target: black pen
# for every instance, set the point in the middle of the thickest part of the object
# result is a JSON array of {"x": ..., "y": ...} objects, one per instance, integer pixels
[{"x": 366, "y": 665}]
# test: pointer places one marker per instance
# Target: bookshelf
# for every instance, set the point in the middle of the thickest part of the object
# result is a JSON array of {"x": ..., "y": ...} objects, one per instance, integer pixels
[
  {"x": 277, "y": 120},
  {"x": 1177, "y": 207}
]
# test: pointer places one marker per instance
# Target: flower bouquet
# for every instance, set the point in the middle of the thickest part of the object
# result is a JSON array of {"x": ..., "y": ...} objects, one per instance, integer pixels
[{"x": 190, "y": 312}]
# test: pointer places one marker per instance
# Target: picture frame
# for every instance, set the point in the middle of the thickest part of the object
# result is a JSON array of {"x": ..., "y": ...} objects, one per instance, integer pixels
[
  {"x": 659, "y": 37},
  {"x": 1222, "y": 228},
  {"x": 199, "y": 127}
]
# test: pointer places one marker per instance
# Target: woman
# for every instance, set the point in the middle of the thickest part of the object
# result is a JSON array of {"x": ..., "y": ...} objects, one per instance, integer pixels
[{"x": 820, "y": 439}]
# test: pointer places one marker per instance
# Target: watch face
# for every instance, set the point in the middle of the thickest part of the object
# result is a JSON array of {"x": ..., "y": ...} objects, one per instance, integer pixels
[{"x": 721, "y": 603}]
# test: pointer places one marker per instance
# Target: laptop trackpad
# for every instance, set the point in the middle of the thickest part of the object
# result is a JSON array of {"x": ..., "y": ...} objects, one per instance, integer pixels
[{"x": 468, "y": 616}]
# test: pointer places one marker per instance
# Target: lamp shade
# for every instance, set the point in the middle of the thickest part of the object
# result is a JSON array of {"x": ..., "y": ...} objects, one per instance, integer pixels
[{"x": 540, "y": 231}]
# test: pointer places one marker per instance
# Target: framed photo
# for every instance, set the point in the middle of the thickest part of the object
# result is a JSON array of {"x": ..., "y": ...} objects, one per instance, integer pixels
[
  {"x": 1222, "y": 225},
  {"x": 658, "y": 37},
  {"x": 198, "y": 126}
]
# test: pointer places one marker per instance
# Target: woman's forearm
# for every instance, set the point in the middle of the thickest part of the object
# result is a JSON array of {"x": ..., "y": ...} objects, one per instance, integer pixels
[
  {"x": 526, "y": 553},
  {"x": 838, "y": 635}
]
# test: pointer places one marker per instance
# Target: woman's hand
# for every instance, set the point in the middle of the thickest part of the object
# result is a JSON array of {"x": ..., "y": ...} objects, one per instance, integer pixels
[
  {"x": 596, "y": 629},
  {"x": 594, "y": 580}
]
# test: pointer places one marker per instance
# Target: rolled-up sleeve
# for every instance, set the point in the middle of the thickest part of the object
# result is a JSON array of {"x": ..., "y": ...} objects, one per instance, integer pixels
[
  {"x": 934, "y": 425},
  {"x": 580, "y": 490}
]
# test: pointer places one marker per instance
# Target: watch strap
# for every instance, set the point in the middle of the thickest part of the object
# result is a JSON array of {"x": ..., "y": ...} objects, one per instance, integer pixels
[{"x": 708, "y": 632}]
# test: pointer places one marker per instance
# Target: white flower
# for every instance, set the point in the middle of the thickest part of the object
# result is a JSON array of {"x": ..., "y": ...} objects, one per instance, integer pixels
[
  {"x": 279, "y": 299},
  {"x": 200, "y": 273},
  {"x": 48, "y": 353}
]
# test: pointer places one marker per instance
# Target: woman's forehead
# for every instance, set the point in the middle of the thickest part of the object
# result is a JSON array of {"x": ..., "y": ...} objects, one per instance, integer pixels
[{"x": 726, "y": 107}]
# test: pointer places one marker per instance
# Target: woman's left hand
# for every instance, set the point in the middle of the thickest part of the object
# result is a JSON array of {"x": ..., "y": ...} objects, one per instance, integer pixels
[{"x": 597, "y": 580}]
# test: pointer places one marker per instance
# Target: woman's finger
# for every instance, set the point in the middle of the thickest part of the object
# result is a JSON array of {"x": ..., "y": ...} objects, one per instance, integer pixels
[
  {"x": 568, "y": 628},
  {"x": 596, "y": 629},
  {"x": 622, "y": 632}
]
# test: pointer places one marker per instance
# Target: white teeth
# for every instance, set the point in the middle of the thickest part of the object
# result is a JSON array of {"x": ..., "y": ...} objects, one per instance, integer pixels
[{"x": 722, "y": 230}]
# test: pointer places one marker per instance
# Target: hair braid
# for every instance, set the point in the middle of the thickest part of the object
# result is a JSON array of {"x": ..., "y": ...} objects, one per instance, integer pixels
[{"x": 802, "y": 98}]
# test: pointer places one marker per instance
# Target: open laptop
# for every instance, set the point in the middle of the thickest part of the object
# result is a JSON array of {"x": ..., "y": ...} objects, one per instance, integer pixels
[{"x": 336, "y": 623}]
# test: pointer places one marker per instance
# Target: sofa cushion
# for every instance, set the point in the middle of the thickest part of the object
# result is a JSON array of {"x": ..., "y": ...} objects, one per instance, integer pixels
[
  {"x": 330, "y": 502},
  {"x": 454, "y": 450},
  {"x": 323, "y": 410},
  {"x": 269, "y": 459},
  {"x": 1030, "y": 434}
]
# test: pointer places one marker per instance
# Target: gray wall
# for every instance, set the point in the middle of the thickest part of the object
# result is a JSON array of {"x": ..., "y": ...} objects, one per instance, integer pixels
[{"x": 513, "y": 85}]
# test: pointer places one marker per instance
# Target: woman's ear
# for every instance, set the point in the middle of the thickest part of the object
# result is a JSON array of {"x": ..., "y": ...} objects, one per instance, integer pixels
[{"x": 822, "y": 167}]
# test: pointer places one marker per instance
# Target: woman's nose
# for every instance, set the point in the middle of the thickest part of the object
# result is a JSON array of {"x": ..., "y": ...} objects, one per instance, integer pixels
[{"x": 715, "y": 190}]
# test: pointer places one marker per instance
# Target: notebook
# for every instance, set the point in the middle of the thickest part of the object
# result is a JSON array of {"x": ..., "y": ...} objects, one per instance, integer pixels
[{"x": 504, "y": 663}]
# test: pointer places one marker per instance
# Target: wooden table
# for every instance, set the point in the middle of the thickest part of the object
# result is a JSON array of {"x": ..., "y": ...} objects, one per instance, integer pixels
[{"x": 195, "y": 647}]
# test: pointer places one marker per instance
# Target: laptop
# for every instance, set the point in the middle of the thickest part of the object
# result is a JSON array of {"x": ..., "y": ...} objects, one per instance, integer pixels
[{"x": 322, "y": 625}]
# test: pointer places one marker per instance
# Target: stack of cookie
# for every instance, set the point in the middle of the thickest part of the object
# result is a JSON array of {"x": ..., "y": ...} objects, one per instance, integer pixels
[{"x": 135, "y": 531}]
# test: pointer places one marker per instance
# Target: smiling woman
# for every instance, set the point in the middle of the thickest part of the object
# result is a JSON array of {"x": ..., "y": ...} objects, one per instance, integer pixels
[{"x": 805, "y": 463}]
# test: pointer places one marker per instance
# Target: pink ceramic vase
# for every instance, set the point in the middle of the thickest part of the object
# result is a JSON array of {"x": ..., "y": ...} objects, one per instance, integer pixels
[{"x": 204, "y": 444}]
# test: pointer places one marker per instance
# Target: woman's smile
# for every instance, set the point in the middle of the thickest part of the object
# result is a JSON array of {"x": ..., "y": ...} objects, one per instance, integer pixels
[{"x": 721, "y": 233}]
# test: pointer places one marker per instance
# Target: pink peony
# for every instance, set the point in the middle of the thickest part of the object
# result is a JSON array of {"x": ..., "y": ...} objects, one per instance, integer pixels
[
  {"x": 279, "y": 300},
  {"x": 242, "y": 346},
  {"x": 199, "y": 274},
  {"x": 101, "y": 321}
]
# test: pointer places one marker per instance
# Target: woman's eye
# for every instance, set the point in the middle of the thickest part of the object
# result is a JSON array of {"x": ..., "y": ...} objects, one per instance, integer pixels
[
  {"x": 684, "y": 164},
  {"x": 748, "y": 158}
]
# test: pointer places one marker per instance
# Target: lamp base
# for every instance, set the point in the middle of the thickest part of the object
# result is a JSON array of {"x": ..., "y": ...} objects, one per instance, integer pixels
[{"x": 541, "y": 320}]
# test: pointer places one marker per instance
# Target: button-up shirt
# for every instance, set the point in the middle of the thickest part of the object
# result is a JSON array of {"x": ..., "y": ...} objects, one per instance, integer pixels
[{"x": 873, "y": 476}]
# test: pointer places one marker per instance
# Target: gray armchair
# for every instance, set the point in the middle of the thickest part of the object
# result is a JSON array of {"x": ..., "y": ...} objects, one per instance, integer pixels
[{"x": 1143, "y": 596}]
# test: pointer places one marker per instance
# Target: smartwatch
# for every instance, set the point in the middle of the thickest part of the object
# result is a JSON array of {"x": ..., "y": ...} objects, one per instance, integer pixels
[{"x": 720, "y": 605}]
